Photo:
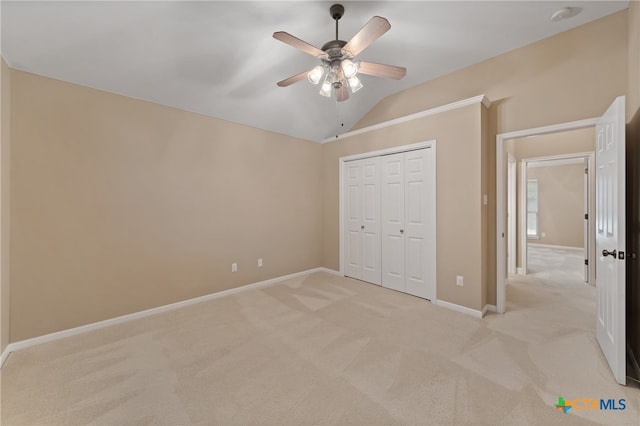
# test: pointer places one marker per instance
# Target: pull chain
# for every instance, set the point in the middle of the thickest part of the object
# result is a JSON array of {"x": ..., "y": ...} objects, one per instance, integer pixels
[{"x": 339, "y": 123}]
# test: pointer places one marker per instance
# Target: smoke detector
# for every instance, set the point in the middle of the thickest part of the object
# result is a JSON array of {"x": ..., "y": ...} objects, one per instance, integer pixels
[{"x": 564, "y": 13}]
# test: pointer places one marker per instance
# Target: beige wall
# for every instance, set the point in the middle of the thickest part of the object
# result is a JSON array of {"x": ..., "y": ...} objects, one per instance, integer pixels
[
  {"x": 633, "y": 46},
  {"x": 560, "y": 204},
  {"x": 552, "y": 144},
  {"x": 459, "y": 244},
  {"x": 571, "y": 76},
  {"x": 120, "y": 205},
  {"x": 5, "y": 135}
]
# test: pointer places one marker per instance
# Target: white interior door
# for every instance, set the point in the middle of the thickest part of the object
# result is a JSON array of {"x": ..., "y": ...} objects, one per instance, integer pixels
[
  {"x": 392, "y": 221},
  {"x": 370, "y": 228},
  {"x": 362, "y": 219},
  {"x": 610, "y": 237},
  {"x": 585, "y": 232},
  {"x": 353, "y": 219},
  {"x": 419, "y": 189},
  {"x": 408, "y": 222}
]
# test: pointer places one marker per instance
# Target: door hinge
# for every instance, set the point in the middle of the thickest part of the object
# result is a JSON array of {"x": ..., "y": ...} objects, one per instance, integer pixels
[
  {"x": 586, "y": 171},
  {"x": 586, "y": 216},
  {"x": 586, "y": 262},
  {"x": 621, "y": 255}
]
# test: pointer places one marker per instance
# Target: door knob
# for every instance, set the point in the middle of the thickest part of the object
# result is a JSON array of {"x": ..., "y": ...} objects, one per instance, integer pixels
[
  {"x": 606, "y": 253},
  {"x": 361, "y": 226},
  {"x": 402, "y": 231}
]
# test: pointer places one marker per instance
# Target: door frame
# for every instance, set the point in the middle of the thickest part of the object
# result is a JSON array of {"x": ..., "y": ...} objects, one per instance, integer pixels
[
  {"x": 512, "y": 214},
  {"x": 501, "y": 193},
  {"x": 590, "y": 235},
  {"x": 394, "y": 150}
]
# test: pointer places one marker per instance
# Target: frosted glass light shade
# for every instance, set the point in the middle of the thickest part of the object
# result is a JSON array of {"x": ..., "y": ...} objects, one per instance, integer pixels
[
  {"x": 355, "y": 84},
  {"x": 315, "y": 74},
  {"x": 349, "y": 68},
  {"x": 325, "y": 90}
]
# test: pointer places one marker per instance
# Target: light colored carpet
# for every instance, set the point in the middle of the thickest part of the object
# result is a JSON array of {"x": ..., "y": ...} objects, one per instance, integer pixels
[
  {"x": 325, "y": 350},
  {"x": 557, "y": 264}
]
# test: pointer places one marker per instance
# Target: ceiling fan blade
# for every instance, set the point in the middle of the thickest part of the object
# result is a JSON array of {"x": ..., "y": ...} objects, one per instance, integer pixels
[
  {"x": 371, "y": 31},
  {"x": 382, "y": 70},
  {"x": 293, "y": 79},
  {"x": 299, "y": 44},
  {"x": 342, "y": 93}
]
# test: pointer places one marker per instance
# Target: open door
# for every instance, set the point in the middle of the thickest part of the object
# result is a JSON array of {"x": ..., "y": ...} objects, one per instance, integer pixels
[
  {"x": 610, "y": 237},
  {"x": 585, "y": 232}
]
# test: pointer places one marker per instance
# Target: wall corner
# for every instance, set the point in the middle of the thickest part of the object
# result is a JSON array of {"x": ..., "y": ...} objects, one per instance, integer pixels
[{"x": 5, "y": 157}]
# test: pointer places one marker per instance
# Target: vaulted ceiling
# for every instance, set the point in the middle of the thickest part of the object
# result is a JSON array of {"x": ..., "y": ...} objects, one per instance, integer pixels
[{"x": 219, "y": 58}]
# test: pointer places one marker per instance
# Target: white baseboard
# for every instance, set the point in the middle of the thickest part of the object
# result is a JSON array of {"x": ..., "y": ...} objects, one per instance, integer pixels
[
  {"x": 329, "y": 271},
  {"x": 553, "y": 246},
  {"x": 459, "y": 308},
  {"x": 23, "y": 344},
  {"x": 473, "y": 312},
  {"x": 489, "y": 308}
]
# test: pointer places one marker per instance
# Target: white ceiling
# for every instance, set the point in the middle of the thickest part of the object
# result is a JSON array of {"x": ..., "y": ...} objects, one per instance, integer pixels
[{"x": 219, "y": 58}]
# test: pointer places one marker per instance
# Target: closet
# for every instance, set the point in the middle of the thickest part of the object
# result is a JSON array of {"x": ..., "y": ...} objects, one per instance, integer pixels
[{"x": 389, "y": 221}]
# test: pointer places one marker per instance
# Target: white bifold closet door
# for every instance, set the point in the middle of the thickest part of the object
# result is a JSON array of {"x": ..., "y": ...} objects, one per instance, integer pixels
[
  {"x": 362, "y": 219},
  {"x": 408, "y": 222}
]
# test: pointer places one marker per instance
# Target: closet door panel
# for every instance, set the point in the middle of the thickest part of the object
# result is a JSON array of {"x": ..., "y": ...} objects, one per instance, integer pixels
[
  {"x": 393, "y": 264},
  {"x": 392, "y": 216},
  {"x": 371, "y": 268},
  {"x": 419, "y": 236},
  {"x": 353, "y": 219},
  {"x": 353, "y": 255},
  {"x": 414, "y": 260}
]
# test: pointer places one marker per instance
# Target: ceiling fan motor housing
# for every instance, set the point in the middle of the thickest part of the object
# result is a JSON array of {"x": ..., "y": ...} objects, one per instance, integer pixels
[
  {"x": 337, "y": 10},
  {"x": 333, "y": 48}
]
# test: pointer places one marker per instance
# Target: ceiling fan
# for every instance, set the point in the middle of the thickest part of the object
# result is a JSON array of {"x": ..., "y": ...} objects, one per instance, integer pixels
[{"x": 338, "y": 66}]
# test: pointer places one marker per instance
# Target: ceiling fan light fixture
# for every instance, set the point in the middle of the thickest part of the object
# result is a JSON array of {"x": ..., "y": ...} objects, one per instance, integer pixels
[
  {"x": 355, "y": 84},
  {"x": 325, "y": 89},
  {"x": 349, "y": 68},
  {"x": 315, "y": 75},
  {"x": 339, "y": 66}
]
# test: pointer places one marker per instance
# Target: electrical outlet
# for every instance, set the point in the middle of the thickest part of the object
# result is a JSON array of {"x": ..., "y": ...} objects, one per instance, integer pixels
[
  {"x": 260, "y": 263},
  {"x": 460, "y": 280},
  {"x": 234, "y": 267}
]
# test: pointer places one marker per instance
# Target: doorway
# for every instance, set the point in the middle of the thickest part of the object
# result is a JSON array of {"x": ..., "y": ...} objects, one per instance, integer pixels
[
  {"x": 509, "y": 143},
  {"x": 556, "y": 205},
  {"x": 609, "y": 222}
]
